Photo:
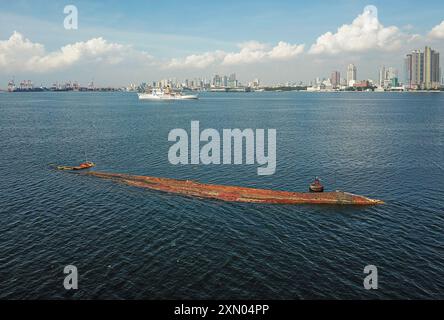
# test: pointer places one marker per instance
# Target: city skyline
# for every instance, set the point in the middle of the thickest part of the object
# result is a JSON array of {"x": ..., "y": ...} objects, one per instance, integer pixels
[
  {"x": 366, "y": 36},
  {"x": 421, "y": 71}
]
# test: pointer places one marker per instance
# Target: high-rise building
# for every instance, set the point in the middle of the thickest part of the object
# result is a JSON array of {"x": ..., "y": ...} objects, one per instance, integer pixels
[
  {"x": 382, "y": 75},
  {"x": 408, "y": 70},
  {"x": 335, "y": 79},
  {"x": 414, "y": 65},
  {"x": 417, "y": 68},
  {"x": 422, "y": 69},
  {"x": 387, "y": 76},
  {"x": 225, "y": 81},
  {"x": 351, "y": 74},
  {"x": 217, "y": 81},
  {"x": 431, "y": 69},
  {"x": 232, "y": 82}
]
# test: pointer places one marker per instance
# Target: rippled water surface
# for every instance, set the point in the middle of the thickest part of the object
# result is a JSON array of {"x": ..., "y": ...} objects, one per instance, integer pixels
[{"x": 136, "y": 243}]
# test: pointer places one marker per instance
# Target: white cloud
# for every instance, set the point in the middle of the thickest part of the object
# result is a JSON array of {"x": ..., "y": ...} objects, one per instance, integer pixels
[
  {"x": 20, "y": 54},
  {"x": 253, "y": 45},
  {"x": 199, "y": 61},
  {"x": 253, "y": 51},
  {"x": 250, "y": 52},
  {"x": 438, "y": 31},
  {"x": 17, "y": 50},
  {"x": 414, "y": 38},
  {"x": 285, "y": 50},
  {"x": 363, "y": 34}
]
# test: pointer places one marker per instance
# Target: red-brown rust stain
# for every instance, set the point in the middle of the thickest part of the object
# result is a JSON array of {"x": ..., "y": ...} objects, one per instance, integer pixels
[{"x": 234, "y": 193}]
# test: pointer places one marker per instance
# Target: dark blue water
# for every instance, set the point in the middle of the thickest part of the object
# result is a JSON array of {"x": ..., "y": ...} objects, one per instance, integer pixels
[{"x": 136, "y": 243}]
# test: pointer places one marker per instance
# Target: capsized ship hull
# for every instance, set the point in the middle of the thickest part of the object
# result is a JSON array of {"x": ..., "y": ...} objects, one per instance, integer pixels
[{"x": 233, "y": 193}]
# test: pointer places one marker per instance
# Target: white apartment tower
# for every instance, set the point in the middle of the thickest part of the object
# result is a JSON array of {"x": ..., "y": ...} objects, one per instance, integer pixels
[{"x": 351, "y": 75}]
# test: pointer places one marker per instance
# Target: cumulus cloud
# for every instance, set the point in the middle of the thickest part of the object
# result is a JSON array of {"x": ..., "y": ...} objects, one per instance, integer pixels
[
  {"x": 363, "y": 34},
  {"x": 250, "y": 52},
  {"x": 20, "y": 54},
  {"x": 199, "y": 61},
  {"x": 437, "y": 32},
  {"x": 285, "y": 50}
]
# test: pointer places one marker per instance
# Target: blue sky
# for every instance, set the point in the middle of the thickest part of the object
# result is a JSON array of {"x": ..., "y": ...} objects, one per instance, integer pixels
[{"x": 176, "y": 29}]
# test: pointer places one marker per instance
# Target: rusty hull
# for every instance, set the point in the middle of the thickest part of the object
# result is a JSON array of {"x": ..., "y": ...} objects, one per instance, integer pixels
[{"x": 233, "y": 193}]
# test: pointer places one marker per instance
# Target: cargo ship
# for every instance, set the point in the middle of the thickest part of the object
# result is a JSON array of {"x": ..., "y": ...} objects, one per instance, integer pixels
[
  {"x": 234, "y": 193},
  {"x": 25, "y": 86}
]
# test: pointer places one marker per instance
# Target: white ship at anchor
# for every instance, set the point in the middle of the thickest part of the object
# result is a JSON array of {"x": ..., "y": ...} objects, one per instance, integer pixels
[{"x": 165, "y": 94}]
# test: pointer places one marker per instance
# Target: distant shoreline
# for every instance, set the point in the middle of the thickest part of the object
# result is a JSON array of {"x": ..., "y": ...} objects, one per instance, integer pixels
[{"x": 246, "y": 92}]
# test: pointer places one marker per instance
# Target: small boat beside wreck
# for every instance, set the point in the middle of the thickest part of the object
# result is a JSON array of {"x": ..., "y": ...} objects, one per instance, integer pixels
[
  {"x": 234, "y": 193},
  {"x": 82, "y": 166},
  {"x": 316, "y": 186}
]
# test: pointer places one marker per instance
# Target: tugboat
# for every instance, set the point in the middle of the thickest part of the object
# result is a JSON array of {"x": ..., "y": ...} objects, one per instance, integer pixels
[
  {"x": 82, "y": 166},
  {"x": 316, "y": 186}
]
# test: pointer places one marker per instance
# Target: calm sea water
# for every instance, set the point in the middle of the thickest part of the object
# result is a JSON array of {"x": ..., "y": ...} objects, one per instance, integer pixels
[{"x": 135, "y": 243}]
